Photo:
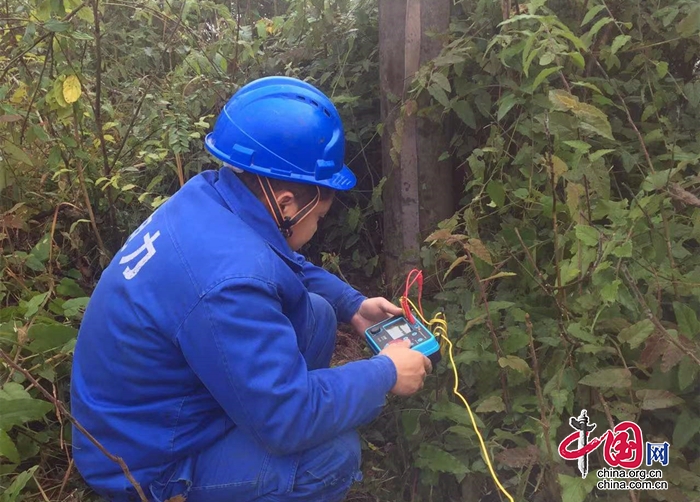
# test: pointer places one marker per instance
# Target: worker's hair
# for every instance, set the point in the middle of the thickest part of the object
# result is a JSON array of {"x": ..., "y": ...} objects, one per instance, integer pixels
[{"x": 303, "y": 193}]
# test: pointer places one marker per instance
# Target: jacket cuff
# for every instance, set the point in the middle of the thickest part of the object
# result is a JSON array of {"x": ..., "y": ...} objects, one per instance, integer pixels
[
  {"x": 387, "y": 372},
  {"x": 348, "y": 305}
]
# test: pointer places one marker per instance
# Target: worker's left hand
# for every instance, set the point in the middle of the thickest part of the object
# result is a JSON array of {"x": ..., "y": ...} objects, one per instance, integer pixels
[{"x": 371, "y": 311}]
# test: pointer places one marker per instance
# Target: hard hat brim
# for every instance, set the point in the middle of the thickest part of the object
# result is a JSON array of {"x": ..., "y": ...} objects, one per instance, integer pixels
[{"x": 343, "y": 180}]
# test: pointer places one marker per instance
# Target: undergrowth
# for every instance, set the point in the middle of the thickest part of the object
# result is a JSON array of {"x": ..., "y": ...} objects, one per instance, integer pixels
[{"x": 569, "y": 273}]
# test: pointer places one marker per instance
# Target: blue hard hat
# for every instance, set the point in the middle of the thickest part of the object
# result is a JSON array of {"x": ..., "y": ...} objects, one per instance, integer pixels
[{"x": 283, "y": 128}]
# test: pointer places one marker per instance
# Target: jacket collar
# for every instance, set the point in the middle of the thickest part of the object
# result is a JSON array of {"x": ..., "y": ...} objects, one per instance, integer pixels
[{"x": 253, "y": 213}]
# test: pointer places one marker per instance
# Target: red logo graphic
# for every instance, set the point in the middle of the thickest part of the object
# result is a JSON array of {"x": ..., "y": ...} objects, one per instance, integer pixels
[{"x": 623, "y": 445}]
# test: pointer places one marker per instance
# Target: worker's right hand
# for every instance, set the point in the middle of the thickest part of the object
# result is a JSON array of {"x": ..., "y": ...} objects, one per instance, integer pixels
[{"x": 411, "y": 367}]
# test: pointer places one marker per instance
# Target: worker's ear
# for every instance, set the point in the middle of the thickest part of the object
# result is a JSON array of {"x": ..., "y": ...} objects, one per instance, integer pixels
[{"x": 287, "y": 202}]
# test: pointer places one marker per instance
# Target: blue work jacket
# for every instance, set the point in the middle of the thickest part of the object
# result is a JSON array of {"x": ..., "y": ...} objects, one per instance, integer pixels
[{"x": 192, "y": 329}]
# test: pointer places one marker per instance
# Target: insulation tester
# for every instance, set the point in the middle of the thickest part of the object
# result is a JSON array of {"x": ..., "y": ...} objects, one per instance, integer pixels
[{"x": 398, "y": 328}]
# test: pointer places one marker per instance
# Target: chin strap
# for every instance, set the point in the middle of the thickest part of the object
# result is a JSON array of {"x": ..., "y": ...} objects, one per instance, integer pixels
[{"x": 285, "y": 223}]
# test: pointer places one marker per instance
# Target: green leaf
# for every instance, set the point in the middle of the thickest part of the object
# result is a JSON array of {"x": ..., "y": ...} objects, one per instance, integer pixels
[
  {"x": 438, "y": 93},
  {"x": 564, "y": 31},
  {"x": 85, "y": 13},
  {"x": 49, "y": 336},
  {"x": 377, "y": 202},
  {"x": 493, "y": 404},
  {"x": 516, "y": 363},
  {"x": 434, "y": 459},
  {"x": 576, "y": 330},
  {"x": 657, "y": 135},
  {"x": 546, "y": 58},
  {"x": 483, "y": 103},
  {"x": 517, "y": 18},
  {"x": 690, "y": 24},
  {"x": 496, "y": 192},
  {"x": 493, "y": 307},
  {"x": 543, "y": 75},
  {"x": 528, "y": 62},
  {"x": 20, "y": 411},
  {"x": 447, "y": 60},
  {"x": 587, "y": 85},
  {"x": 56, "y": 26},
  {"x": 261, "y": 29},
  {"x": 600, "y": 153},
  {"x": 609, "y": 291},
  {"x": 75, "y": 306},
  {"x": 69, "y": 288},
  {"x": 559, "y": 399},
  {"x": 13, "y": 390},
  {"x": 42, "y": 249},
  {"x": 452, "y": 412},
  {"x": 687, "y": 426},
  {"x": 687, "y": 319},
  {"x": 623, "y": 411},
  {"x": 659, "y": 179},
  {"x": 619, "y": 43},
  {"x": 515, "y": 339},
  {"x": 8, "y": 448},
  {"x": 578, "y": 145},
  {"x": 15, "y": 489},
  {"x": 592, "y": 119},
  {"x": 17, "y": 154},
  {"x": 558, "y": 168},
  {"x": 577, "y": 58},
  {"x": 465, "y": 113},
  {"x": 354, "y": 214},
  {"x": 670, "y": 16},
  {"x": 636, "y": 334},
  {"x": 526, "y": 51},
  {"x": 34, "y": 304},
  {"x": 507, "y": 102},
  {"x": 33, "y": 264},
  {"x": 662, "y": 69},
  {"x": 442, "y": 81},
  {"x": 608, "y": 378},
  {"x": 588, "y": 235},
  {"x": 499, "y": 275},
  {"x": 654, "y": 399},
  {"x": 592, "y": 12},
  {"x": 597, "y": 26},
  {"x": 623, "y": 250},
  {"x": 687, "y": 372},
  {"x": 462, "y": 431},
  {"x": 76, "y": 223},
  {"x": 569, "y": 272},
  {"x": 410, "y": 419},
  {"x": 575, "y": 488},
  {"x": 692, "y": 91}
]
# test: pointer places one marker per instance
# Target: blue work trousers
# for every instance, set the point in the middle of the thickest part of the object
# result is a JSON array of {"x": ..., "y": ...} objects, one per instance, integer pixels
[{"x": 237, "y": 469}]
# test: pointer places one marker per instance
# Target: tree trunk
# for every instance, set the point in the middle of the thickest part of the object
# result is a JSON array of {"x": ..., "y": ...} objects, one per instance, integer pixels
[{"x": 418, "y": 191}]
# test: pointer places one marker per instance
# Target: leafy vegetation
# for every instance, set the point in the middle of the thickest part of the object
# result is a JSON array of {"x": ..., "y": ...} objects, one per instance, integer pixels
[{"x": 569, "y": 273}]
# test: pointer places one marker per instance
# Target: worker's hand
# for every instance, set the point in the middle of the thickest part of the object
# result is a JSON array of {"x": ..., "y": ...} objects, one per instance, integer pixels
[
  {"x": 371, "y": 311},
  {"x": 411, "y": 367}
]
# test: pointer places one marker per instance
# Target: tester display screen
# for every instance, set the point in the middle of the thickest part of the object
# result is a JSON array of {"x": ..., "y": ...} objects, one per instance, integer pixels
[{"x": 395, "y": 332}]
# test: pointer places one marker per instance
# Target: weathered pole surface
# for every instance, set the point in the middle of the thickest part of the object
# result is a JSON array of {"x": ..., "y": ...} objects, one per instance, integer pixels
[{"x": 418, "y": 191}]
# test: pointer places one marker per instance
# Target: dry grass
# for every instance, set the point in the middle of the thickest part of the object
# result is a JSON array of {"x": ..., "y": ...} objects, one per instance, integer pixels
[{"x": 349, "y": 347}]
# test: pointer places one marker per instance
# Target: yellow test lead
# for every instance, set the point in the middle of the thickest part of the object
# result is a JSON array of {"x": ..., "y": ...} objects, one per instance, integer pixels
[{"x": 439, "y": 327}]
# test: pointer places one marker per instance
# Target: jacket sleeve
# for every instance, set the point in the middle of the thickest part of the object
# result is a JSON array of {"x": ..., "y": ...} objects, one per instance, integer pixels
[
  {"x": 344, "y": 299},
  {"x": 244, "y": 350}
]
